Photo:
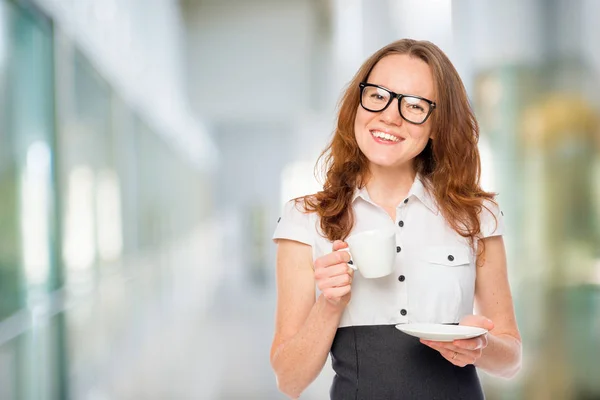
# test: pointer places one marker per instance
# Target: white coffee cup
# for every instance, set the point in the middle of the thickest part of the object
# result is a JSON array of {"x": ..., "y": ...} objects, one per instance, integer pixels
[{"x": 373, "y": 252}]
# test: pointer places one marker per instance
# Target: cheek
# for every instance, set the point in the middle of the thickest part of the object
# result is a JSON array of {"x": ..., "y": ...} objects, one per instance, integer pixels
[
  {"x": 421, "y": 134},
  {"x": 361, "y": 119}
]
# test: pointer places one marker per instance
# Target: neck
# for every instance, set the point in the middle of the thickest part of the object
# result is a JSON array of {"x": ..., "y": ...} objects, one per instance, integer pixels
[{"x": 388, "y": 187}]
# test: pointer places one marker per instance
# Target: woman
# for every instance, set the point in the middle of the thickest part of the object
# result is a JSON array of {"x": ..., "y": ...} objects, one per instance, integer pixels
[{"x": 404, "y": 156}]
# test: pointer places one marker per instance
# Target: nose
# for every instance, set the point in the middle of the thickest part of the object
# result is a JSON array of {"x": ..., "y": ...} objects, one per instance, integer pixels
[{"x": 391, "y": 115}]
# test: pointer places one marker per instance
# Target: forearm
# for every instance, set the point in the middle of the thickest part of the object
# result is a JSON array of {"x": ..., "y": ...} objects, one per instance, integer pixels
[
  {"x": 502, "y": 356},
  {"x": 299, "y": 360}
]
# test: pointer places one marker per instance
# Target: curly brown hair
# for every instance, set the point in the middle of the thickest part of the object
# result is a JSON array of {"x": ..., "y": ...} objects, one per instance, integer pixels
[{"x": 449, "y": 165}]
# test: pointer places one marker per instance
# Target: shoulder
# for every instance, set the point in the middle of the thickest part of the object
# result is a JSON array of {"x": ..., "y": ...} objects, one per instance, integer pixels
[
  {"x": 300, "y": 207},
  {"x": 295, "y": 222},
  {"x": 491, "y": 219}
]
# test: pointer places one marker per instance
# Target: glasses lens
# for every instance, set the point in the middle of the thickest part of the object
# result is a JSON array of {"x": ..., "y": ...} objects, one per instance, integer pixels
[
  {"x": 374, "y": 98},
  {"x": 414, "y": 109}
]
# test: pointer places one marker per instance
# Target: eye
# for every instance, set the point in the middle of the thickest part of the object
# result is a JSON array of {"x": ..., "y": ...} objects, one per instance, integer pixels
[
  {"x": 377, "y": 96},
  {"x": 415, "y": 105}
]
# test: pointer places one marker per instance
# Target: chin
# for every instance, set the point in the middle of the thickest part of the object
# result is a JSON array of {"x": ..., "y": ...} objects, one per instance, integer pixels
[{"x": 384, "y": 162}]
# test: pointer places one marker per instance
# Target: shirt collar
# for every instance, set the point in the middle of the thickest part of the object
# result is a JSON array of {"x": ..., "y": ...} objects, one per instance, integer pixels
[
  {"x": 362, "y": 192},
  {"x": 417, "y": 190}
]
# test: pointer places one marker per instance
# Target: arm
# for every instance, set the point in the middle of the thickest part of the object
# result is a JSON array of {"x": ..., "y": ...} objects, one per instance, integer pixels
[
  {"x": 304, "y": 328},
  {"x": 502, "y": 356},
  {"x": 499, "y": 352}
]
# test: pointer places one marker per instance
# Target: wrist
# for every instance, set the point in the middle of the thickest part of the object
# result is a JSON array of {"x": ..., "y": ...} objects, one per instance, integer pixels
[{"x": 331, "y": 308}]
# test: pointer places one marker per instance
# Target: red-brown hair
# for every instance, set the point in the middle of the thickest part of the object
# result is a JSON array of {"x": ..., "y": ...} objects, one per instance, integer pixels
[{"x": 449, "y": 165}]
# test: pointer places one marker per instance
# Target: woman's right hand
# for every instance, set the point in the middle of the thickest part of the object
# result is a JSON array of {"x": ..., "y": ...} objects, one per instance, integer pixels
[{"x": 334, "y": 276}]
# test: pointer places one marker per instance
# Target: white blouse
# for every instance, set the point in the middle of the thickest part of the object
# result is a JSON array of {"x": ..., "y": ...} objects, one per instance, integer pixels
[{"x": 434, "y": 277}]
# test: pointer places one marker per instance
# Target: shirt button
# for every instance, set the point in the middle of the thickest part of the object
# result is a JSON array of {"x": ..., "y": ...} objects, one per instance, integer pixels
[
  {"x": 398, "y": 249},
  {"x": 403, "y": 311},
  {"x": 405, "y": 201},
  {"x": 450, "y": 257},
  {"x": 401, "y": 278},
  {"x": 401, "y": 224}
]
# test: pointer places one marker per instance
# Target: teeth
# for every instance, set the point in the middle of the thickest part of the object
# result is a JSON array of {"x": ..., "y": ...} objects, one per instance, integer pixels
[{"x": 386, "y": 136}]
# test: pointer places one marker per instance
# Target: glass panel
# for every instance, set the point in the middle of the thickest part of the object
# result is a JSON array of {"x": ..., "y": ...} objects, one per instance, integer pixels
[
  {"x": 10, "y": 282},
  {"x": 29, "y": 365},
  {"x": 91, "y": 205},
  {"x": 90, "y": 184}
]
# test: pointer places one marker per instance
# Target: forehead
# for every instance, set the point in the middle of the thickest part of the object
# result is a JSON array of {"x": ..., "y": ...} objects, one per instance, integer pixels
[{"x": 404, "y": 74}]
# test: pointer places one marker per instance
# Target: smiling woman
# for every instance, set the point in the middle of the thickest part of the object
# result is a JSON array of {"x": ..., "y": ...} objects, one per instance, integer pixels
[{"x": 403, "y": 157}]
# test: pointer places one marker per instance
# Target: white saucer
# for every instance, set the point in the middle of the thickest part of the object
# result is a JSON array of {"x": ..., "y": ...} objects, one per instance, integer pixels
[{"x": 441, "y": 332}]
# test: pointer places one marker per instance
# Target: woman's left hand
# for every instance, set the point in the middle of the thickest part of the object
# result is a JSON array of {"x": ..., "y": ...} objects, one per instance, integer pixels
[{"x": 463, "y": 352}]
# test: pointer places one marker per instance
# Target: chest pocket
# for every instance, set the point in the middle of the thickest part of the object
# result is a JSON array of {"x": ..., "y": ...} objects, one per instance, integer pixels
[
  {"x": 450, "y": 256},
  {"x": 444, "y": 284}
]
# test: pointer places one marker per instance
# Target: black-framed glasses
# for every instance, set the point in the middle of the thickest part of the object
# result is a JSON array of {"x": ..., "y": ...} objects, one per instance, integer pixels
[{"x": 414, "y": 109}]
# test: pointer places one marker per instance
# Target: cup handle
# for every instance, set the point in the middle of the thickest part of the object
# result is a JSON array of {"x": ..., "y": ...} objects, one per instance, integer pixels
[{"x": 351, "y": 263}]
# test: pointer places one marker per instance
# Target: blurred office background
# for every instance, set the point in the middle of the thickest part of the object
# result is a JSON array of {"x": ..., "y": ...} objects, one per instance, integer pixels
[{"x": 147, "y": 146}]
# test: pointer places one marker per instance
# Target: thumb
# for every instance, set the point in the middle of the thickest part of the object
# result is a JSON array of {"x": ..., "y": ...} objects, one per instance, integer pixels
[{"x": 338, "y": 245}]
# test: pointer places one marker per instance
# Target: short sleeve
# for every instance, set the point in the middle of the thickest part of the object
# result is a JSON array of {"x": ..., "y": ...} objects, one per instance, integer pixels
[
  {"x": 491, "y": 220},
  {"x": 294, "y": 224}
]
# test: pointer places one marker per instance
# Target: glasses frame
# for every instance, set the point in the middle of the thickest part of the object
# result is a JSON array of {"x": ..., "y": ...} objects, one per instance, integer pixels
[{"x": 393, "y": 96}]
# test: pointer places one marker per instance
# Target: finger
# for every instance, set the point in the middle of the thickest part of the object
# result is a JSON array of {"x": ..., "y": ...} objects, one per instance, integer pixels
[
  {"x": 450, "y": 355},
  {"x": 349, "y": 258},
  {"x": 338, "y": 245},
  {"x": 326, "y": 281},
  {"x": 435, "y": 345},
  {"x": 442, "y": 346},
  {"x": 336, "y": 292},
  {"x": 340, "y": 269},
  {"x": 477, "y": 343},
  {"x": 456, "y": 358},
  {"x": 484, "y": 341},
  {"x": 444, "y": 351},
  {"x": 336, "y": 257},
  {"x": 455, "y": 355},
  {"x": 338, "y": 281},
  {"x": 331, "y": 271},
  {"x": 468, "y": 355},
  {"x": 470, "y": 344}
]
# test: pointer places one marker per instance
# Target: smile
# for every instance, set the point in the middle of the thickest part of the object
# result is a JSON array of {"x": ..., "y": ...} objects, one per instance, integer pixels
[{"x": 385, "y": 137}]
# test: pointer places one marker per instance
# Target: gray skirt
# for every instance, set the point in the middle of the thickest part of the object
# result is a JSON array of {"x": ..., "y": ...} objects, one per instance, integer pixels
[{"x": 380, "y": 362}]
